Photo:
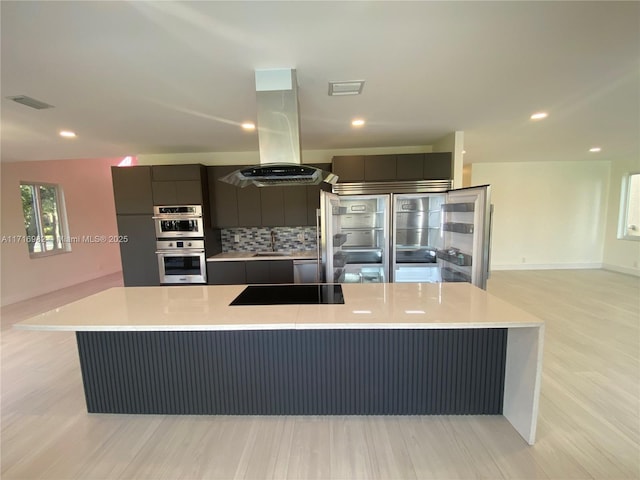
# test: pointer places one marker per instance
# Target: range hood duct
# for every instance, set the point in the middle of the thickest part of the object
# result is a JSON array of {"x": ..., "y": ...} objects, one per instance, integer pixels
[{"x": 278, "y": 127}]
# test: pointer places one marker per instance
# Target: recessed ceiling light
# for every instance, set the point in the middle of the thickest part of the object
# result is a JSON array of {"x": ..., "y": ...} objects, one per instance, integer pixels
[
  {"x": 539, "y": 115},
  {"x": 464, "y": 151},
  {"x": 595, "y": 149},
  {"x": 358, "y": 122},
  {"x": 249, "y": 126},
  {"x": 67, "y": 134}
]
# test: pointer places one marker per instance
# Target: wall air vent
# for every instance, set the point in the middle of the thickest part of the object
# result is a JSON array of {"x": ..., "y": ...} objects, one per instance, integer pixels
[
  {"x": 353, "y": 87},
  {"x": 30, "y": 102}
]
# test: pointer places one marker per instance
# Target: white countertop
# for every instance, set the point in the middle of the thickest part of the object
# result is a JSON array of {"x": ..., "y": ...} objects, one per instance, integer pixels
[
  {"x": 379, "y": 306},
  {"x": 241, "y": 256}
]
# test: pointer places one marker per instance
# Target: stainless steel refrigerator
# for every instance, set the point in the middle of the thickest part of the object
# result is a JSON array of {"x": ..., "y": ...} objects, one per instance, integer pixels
[
  {"x": 442, "y": 237},
  {"x": 355, "y": 237},
  {"x": 417, "y": 237}
]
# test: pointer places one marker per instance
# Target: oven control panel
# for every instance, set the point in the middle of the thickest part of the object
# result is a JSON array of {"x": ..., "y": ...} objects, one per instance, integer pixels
[{"x": 180, "y": 244}]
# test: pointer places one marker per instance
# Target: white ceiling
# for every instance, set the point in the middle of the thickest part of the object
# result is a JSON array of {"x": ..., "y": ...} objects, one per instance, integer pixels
[{"x": 163, "y": 77}]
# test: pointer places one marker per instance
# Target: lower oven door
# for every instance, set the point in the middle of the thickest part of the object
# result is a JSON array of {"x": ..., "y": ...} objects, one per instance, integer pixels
[{"x": 182, "y": 266}]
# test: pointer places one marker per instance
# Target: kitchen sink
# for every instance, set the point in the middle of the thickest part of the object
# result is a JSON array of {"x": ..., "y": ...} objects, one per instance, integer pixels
[{"x": 272, "y": 254}]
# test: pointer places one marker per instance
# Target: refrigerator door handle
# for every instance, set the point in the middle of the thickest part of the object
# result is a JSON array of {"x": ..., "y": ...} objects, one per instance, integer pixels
[
  {"x": 319, "y": 278},
  {"x": 487, "y": 270}
]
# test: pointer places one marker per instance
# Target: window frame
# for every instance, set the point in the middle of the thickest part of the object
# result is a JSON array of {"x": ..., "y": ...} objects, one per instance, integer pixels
[
  {"x": 62, "y": 219},
  {"x": 625, "y": 196}
]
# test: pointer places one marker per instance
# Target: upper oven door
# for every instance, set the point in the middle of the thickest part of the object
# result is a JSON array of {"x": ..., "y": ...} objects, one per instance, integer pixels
[{"x": 179, "y": 227}]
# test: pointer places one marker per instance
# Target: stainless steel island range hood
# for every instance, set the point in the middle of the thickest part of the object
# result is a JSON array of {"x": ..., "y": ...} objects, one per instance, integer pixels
[{"x": 278, "y": 127}]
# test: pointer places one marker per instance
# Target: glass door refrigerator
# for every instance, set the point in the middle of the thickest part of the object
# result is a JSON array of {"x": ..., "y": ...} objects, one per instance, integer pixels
[{"x": 355, "y": 238}]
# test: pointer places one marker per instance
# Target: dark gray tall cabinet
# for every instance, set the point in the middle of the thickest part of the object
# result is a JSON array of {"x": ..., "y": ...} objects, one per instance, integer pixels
[{"x": 133, "y": 197}]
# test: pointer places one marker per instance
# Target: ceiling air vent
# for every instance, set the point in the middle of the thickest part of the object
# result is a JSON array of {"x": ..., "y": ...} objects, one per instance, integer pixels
[
  {"x": 30, "y": 102},
  {"x": 353, "y": 87}
]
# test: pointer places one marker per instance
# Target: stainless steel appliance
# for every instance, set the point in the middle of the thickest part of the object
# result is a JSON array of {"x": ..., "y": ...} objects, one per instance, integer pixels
[
  {"x": 278, "y": 136},
  {"x": 181, "y": 261},
  {"x": 311, "y": 294},
  {"x": 422, "y": 237},
  {"x": 417, "y": 237},
  {"x": 305, "y": 271},
  {"x": 180, "y": 221},
  {"x": 355, "y": 238}
]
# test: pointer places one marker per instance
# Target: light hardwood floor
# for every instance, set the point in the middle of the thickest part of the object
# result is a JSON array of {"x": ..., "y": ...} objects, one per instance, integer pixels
[{"x": 589, "y": 423}]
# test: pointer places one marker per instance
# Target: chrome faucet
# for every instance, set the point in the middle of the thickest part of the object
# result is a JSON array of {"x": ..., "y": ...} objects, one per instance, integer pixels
[{"x": 273, "y": 240}]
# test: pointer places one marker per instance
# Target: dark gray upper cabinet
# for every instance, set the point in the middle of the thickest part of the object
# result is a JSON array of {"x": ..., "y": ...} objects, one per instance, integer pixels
[
  {"x": 295, "y": 206},
  {"x": 438, "y": 166},
  {"x": 132, "y": 190},
  {"x": 379, "y": 168},
  {"x": 232, "y": 206},
  {"x": 272, "y": 206},
  {"x": 177, "y": 185},
  {"x": 249, "y": 214},
  {"x": 388, "y": 168},
  {"x": 265, "y": 206},
  {"x": 348, "y": 168},
  {"x": 410, "y": 166},
  {"x": 169, "y": 173},
  {"x": 223, "y": 198},
  {"x": 138, "y": 253}
]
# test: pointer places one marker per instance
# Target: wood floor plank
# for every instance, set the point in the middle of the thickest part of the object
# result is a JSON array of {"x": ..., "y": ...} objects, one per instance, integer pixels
[{"x": 588, "y": 427}]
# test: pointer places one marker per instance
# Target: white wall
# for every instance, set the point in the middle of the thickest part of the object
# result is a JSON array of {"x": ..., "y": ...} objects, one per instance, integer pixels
[
  {"x": 88, "y": 194},
  {"x": 620, "y": 255},
  {"x": 547, "y": 214}
]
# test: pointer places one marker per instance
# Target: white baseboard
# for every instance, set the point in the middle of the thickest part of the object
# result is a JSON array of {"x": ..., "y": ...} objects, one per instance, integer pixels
[
  {"x": 548, "y": 266},
  {"x": 628, "y": 270}
]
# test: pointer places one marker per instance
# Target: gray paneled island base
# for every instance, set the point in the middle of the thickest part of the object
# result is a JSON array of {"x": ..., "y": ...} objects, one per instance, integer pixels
[{"x": 397, "y": 349}]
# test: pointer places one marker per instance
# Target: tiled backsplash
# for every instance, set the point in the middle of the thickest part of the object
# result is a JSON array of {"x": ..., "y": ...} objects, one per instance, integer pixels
[{"x": 251, "y": 239}]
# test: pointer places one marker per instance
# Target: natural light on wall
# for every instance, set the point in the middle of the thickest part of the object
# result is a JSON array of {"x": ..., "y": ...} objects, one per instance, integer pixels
[
  {"x": 629, "y": 225},
  {"x": 127, "y": 162}
]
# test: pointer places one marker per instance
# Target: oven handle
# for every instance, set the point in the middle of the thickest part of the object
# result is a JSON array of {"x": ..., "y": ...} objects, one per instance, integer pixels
[
  {"x": 184, "y": 251},
  {"x": 177, "y": 217}
]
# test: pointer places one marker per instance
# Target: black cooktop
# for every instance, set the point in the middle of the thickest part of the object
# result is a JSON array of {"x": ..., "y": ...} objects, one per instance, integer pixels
[{"x": 300, "y": 294}]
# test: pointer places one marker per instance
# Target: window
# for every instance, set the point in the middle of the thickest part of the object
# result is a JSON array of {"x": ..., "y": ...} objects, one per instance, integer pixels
[
  {"x": 45, "y": 220},
  {"x": 629, "y": 224}
]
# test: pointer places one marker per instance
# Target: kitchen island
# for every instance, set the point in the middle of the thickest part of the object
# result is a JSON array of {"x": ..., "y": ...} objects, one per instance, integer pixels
[{"x": 401, "y": 349}]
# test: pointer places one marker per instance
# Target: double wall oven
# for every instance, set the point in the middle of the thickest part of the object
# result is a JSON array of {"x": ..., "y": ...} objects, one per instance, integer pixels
[{"x": 180, "y": 244}]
